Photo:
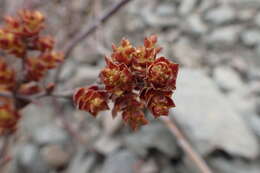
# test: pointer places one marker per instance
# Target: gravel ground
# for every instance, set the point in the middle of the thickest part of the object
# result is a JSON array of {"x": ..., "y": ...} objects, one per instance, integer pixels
[{"x": 217, "y": 43}]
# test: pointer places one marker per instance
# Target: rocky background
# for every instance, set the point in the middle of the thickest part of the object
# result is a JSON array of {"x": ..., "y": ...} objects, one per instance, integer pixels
[{"x": 217, "y": 43}]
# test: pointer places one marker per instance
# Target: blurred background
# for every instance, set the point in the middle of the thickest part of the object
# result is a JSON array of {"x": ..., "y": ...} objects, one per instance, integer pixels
[{"x": 217, "y": 43}]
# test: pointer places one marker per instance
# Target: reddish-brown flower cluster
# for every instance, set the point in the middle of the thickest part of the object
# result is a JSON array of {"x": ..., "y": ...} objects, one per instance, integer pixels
[
  {"x": 8, "y": 115},
  {"x": 21, "y": 34},
  {"x": 134, "y": 79},
  {"x": 21, "y": 37}
]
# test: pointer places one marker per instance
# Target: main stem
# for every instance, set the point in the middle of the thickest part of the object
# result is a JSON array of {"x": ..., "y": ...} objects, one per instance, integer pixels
[{"x": 187, "y": 148}]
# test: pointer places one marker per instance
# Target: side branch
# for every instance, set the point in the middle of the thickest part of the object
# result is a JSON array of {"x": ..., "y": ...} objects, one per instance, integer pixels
[
  {"x": 84, "y": 34},
  {"x": 81, "y": 36},
  {"x": 187, "y": 148}
]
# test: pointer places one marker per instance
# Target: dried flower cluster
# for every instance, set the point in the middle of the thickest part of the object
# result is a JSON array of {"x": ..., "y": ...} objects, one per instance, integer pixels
[
  {"x": 20, "y": 37},
  {"x": 133, "y": 79}
]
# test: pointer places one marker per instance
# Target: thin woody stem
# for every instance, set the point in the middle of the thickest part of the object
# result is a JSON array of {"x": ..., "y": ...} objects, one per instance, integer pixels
[
  {"x": 187, "y": 148},
  {"x": 4, "y": 151},
  {"x": 83, "y": 35}
]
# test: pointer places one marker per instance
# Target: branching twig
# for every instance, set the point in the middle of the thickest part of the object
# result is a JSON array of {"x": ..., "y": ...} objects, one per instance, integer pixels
[
  {"x": 83, "y": 35},
  {"x": 187, "y": 148}
]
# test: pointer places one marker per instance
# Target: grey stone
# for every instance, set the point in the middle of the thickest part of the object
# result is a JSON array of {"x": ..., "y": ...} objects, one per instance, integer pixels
[
  {"x": 33, "y": 118},
  {"x": 250, "y": 37},
  {"x": 254, "y": 121},
  {"x": 236, "y": 166},
  {"x": 247, "y": 4},
  {"x": 50, "y": 134},
  {"x": 195, "y": 25},
  {"x": 55, "y": 156},
  {"x": 220, "y": 15},
  {"x": 156, "y": 20},
  {"x": 243, "y": 102},
  {"x": 224, "y": 36},
  {"x": 149, "y": 167},
  {"x": 257, "y": 106},
  {"x": 257, "y": 19},
  {"x": 256, "y": 58},
  {"x": 187, "y": 53},
  {"x": 169, "y": 169},
  {"x": 187, "y": 6},
  {"x": 122, "y": 161},
  {"x": 28, "y": 160},
  {"x": 84, "y": 75},
  {"x": 82, "y": 163},
  {"x": 153, "y": 136},
  {"x": 166, "y": 10},
  {"x": 208, "y": 118},
  {"x": 227, "y": 79},
  {"x": 111, "y": 144}
]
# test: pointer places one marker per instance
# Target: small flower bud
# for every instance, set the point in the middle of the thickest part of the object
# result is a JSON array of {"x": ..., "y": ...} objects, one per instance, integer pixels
[
  {"x": 91, "y": 100},
  {"x": 162, "y": 73},
  {"x": 44, "y": 43},
  {"x": 117, "y": 78},
  {"x": 123, "y": 53},
  {"x": 33, "y": 22},
  {"x": 29, "y": 88}
]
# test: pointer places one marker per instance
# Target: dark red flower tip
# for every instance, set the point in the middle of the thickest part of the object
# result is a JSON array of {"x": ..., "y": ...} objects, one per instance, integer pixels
[
  {"x": 91, "y": 100},
  {"x": 158, "y": 101},
  {"x": 123, "y": 53},
  {"x": 117, "y": 78},
  {"x": 162, "y": 73},
  {"x": 126, "y": 102},
  {"x": 135, "y": 118}
]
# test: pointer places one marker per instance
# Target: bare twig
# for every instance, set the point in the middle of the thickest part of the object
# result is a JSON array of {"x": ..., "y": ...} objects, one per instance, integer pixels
[
  {"x": 4, "y": 150},
  {"x": 187, "y": 148},
  {"x": 83, "y": 35}
]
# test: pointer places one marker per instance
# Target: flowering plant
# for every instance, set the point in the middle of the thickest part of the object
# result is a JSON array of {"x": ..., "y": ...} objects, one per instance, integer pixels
[
  {"x": 21, "y": 37},
  {"x": 133, "y": 79}
]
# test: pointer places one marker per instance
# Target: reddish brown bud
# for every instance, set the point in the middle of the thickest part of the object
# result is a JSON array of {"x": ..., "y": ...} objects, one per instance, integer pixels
[
  {"x": 32, "y": 22},
  {"x": 149, "y": 42},
  {"x": 123, "y": 53},
  {"x": 29, "y": 88},
  {"x": 52, "y": 59},
  {"x": 162, "y": 73},
  {"x": 126, "y": 102},
  {"x": 159, "y": 102},
  {"x": 91, "y": 100},
  {"x": 13, "y": 25},
  {"x": 117, "y": 78},
  {"x": 8, "y": 116},
  {"x": 11, "y": 43},
  {"x": 35, "y": 68},
  {"x": 7, "y": 76},
  {"x": 44, "y": 43},
  {"x": 134, "y": 118}
]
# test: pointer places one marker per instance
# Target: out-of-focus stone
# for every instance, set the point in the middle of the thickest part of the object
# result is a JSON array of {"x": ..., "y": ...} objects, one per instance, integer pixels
[
  {"x": 122, "y": 161},
  {"x": 209, "y": 119},
  {"x": 50, "y": 134},
  {"x": 250, "y": 37},
  {"x": 223, "y": 37},
  {"x": 195, "y": 25},
  {"x": 187, "y": 6},
  {"x": 227, "y": 79},
  {"x": 29, "y": 160},
  {"x": 106, "y": 144},
  {"x": 220, "y": 15},
  {"x": 55, "y": 156},
  {"x": 187, "y": 53},
  {"x": 236, "y": 166},
  {"x": 156, "y": 136}
]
